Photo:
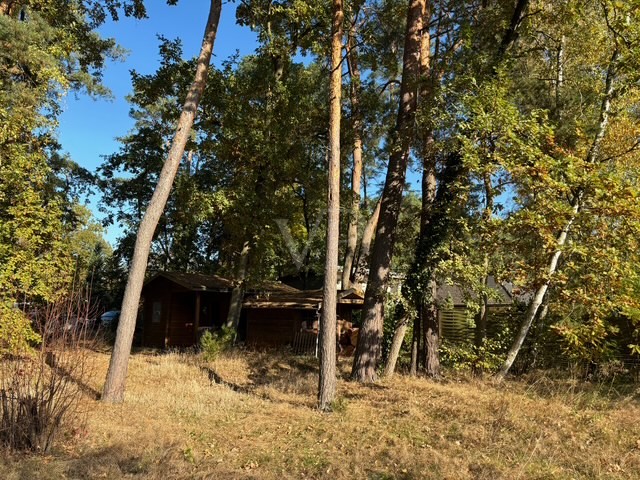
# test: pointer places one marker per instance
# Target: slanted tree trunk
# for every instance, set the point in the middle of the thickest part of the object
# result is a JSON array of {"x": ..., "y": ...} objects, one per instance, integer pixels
[
  {"x": 396, "y": 344},
  {"x": 369, "y": 342},
  {"x": 328, "y": 323},
  {"x": 237, "y": 294},
  {"x": 356, "y": 171},
  {"x": 115, "y": 382},
  {"x": 361, "y": 264},
  {"x": 576, "y": 204},
  {"x": 511, "y": 34}
]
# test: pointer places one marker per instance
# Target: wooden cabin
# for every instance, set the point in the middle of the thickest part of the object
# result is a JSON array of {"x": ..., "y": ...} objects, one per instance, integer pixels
[
  {"x": 177, "y": 307},
  {"x": 276, "y": 319}
]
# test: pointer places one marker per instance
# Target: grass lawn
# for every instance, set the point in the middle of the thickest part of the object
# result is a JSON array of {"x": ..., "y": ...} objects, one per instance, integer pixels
[{"x": 261, "y": 423}]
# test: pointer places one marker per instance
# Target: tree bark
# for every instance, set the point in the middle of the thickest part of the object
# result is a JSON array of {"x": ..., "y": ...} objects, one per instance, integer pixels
[
  {"x": 431, "y": 334},
  {"x": 576, "y": 203},
  {"x": 369, "y": 343},
  {"x": 415, "y": 344},
  {"x": 362, "y": 263},
  {"x": 511, "y": 34},
  {"x": 481, "y": 326},
  {"x": 115, "y": 382},
  {"x": 237, "y": 294},
  {"x": 426, "y": 303},
  {"x": 356, "y": 172},
  {"x": 396, "y": 345},
  {"x": 328, "y": 323},
  {"x": 487, "y": 215}
]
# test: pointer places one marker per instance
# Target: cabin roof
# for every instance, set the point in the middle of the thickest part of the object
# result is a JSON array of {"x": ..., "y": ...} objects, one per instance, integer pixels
[
  {"x": 300, "y": 299},
  {"x": 215, "y": 283},
  {"x": 195, "y": 281},
  {"x": 459, "y": 296}
]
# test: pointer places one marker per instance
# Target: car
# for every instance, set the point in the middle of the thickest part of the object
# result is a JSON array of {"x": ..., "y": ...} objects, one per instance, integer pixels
[{"x": 110, "y": 319}]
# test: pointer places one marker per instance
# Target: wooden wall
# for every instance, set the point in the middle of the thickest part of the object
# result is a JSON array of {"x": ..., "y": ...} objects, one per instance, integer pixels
[
  {"x": 154, "y": 327},
  {"x": 272, "y": 327},
  {"x": 174, "y": 322}
]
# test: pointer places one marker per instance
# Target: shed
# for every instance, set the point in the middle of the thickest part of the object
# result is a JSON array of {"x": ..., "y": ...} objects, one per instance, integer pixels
[
  {"x": 455, "y": 319},
  {"x": 176, "y": 306},
  {"x": 275, "y": 319}
]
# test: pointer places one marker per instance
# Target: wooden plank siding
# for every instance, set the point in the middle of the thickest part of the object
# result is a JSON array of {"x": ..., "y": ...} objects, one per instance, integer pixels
[
  {"x": 272, "y": 327},
  {"x": 176, "y": 324},
  {"x": 456, "y": 326}
]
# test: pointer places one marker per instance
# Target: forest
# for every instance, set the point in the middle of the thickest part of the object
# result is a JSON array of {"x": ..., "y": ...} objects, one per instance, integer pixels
[{"x": 468, "y": 171}]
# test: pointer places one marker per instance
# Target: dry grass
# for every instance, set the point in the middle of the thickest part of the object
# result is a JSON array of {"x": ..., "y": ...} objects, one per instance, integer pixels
[{"x": 261, "y": 424}]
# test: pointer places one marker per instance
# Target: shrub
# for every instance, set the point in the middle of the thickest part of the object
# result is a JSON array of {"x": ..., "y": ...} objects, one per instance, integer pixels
[
  {"x": 17, "y": 336},
  {"x": 466, "y": 356},
  {"x": 214, "y": 343},
  {"x": 41, "y": 386}
]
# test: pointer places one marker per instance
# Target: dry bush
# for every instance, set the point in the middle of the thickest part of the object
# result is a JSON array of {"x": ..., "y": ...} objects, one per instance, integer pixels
[{"x": 40, "y": 389}]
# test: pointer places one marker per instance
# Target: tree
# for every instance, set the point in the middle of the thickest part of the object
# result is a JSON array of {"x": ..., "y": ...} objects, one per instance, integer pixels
[
  {"x": 369, "y": 342},
  {"x": 114, "y": 387},
  {"x": 328, "y": 323},
  {"x": 356, "y": 171},
  {"x": 585, "y": 157},
  {"x": 49, "y": 49}
]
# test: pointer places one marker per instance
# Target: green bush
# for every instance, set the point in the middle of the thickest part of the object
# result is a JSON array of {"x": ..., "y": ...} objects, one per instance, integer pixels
[
  {"x": 468, "y": 357},
  {"x": 16, "y": 333},
  {"x": 214, "y": 343}
]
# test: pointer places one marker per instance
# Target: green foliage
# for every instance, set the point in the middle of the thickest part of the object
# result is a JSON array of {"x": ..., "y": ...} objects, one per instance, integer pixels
[
  {"x": 212, "y": 344},
  {"x": 17, "y": 336},
  {"x": 587, "y": 340},
  {"x": 47, "y": 50},
  {"x": 468, "y": 357}
]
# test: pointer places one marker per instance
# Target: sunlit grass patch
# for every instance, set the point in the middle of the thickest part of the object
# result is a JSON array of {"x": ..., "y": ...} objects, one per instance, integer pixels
[{"x": 261, "y": 423}]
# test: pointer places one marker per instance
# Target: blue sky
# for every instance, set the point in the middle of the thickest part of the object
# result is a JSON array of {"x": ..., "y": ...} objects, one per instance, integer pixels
[{"x": 89, "y": 128}]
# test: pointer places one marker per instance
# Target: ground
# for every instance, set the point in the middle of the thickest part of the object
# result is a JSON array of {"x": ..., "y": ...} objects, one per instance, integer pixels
[{"x": 177, "y": 422}]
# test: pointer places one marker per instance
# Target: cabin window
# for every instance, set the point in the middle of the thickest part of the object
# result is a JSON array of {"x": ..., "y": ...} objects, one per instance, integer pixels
[{"x": 156, "y": 312}]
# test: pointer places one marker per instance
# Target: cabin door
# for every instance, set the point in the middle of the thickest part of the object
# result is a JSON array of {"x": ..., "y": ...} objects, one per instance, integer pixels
[{"x": 182, "y": 323}]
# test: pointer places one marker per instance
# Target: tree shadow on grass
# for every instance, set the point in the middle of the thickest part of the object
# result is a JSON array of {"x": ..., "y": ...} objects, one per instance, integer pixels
[{"x": 65, "y": 374}]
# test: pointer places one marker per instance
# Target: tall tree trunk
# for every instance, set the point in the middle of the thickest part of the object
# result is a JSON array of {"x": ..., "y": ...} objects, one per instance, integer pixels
[
  {"x": 428, "y": 327},
  {"x": 559, "y": 83},
  {"x": 576, "y": 204},
  {"x": 356, "y": 172},
  {"x": 415, "y": 344},
  {"x": 431, "y": 334},
  {"x": 237, "y": 294},
  {"x": 487, "y": 215},
  {"x": 396, "y": 344},
  {"x": 369, "y": 342},
  {"x": 328, "y": 323},
  {"x": 481, "y": 326},
  {"x": 115, "y": 382}
]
